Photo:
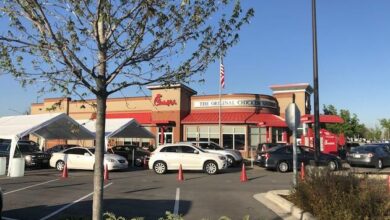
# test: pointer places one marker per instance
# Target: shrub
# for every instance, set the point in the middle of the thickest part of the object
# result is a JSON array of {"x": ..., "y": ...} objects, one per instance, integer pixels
[{"x": 330, "y": 196}]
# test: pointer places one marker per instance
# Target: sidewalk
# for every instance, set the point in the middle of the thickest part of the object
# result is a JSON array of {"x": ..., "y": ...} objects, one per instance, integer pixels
[{"x": 282, "y": 207}]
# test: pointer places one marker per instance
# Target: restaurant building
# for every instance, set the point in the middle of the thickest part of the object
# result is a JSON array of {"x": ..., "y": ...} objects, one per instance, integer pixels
[{"x": 177, "y": 113}]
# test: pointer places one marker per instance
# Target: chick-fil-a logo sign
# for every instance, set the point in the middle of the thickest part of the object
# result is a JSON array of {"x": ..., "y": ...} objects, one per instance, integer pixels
[{"x": 158, "y": 101}]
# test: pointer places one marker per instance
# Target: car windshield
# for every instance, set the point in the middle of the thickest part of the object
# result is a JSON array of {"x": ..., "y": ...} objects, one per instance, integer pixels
[
  {"x": 25, "y": 148},
  {"x": 216, "y": 146},
  {"x": 275, "y": 148},
  {"x": 92, "y": 150},
  {"x": 199, "y": 149},
  {"x": 363, "y": 149}
]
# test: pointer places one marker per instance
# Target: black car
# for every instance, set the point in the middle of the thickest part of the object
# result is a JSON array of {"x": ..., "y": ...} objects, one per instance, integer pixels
[
  {"x": 266, "y": 146},
  {"x": 126, "y": 151},
  {"x": 33, "y": 156},
  {"x": 60, "y": 147},
  {"x": 281, "y": 158}
]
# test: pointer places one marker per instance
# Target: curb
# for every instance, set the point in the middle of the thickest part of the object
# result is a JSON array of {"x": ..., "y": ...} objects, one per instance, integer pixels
[{"x": 285, "y": 209}]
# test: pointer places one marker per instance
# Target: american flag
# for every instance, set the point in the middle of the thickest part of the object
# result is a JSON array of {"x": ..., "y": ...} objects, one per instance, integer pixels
[{"x": 222, "y": 75}]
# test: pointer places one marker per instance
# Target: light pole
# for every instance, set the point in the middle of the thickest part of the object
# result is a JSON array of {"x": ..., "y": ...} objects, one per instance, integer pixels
[{"x": 315, "y": 84}]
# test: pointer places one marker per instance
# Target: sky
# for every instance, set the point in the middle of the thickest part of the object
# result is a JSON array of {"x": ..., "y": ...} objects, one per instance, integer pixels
[{"x": 276, "y": 48}]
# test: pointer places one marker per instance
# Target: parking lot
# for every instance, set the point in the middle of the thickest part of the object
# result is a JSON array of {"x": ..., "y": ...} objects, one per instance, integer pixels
[{"x": 42, "y": 194}]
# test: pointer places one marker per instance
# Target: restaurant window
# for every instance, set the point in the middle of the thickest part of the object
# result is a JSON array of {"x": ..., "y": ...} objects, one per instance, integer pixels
[
  {"x": 192, "y": 133},
  {"x": 234, "y": 137},
  {"x": 214, "y": 134},
  {"x": 257, "y": 136},
  {"x": 277, "y": 135},
  {"x": 209, "y": 133},
  {"x": 167, "y": 133}
]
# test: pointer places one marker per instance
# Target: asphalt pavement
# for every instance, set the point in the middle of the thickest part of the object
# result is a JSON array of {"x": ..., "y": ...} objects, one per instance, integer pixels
[{"x": 42, "y": 194}]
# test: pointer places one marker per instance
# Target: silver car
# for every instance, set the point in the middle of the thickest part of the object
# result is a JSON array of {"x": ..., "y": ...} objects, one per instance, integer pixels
[
  {"x": 233, "y": 156},
  {"x": 369, "y": 155}
]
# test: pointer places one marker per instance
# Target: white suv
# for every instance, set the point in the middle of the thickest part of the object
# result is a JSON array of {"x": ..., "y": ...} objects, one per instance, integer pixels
[
  {"x": 171, "y": 156},
  {"x": 233, "y": 156}
]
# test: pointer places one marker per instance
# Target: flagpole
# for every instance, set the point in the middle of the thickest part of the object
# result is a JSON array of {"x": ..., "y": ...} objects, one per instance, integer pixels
[{"x": 220, "y": 104}]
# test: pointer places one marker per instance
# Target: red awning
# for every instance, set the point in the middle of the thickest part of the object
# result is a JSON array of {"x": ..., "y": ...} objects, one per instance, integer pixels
[
  {"x": 142, "y": 118},
  {"x": 235, "y": 118},
  {"x": 323, "y": 119}
]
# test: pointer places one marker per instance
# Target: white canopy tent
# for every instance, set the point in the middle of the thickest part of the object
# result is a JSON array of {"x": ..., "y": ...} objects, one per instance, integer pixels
[
  {"x": 44, "y": 126},
  {"x": 119, "y": 128}
]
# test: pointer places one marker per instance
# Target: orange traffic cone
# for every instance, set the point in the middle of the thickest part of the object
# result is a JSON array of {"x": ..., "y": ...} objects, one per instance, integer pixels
[
  {"x": 243, "y": 177},
  {"x": 180, "y": 176},
  {"x": 388, "y": 182},
  {"x": 302, "y": 171},
  {"x": 106, "y": 177},
  {"x": 65, "y": 171}
]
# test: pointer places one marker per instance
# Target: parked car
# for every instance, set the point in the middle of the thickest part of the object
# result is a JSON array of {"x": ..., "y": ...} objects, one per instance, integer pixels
[
  {"x": 233, "y": 156},
  {"x": 29, "y": 150},
  {"x": 60, "y": 147},
  {"x": 84, "y": 159},
  {"x": 266, "y": 146},
  {"x": 377, "y": 155},
  {"x": 126, "y": 151},
  {"x": 281, "y": 158},
  {"x": 171, "y": 156}
]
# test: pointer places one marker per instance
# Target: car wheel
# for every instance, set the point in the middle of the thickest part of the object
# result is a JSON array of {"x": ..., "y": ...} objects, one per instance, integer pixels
[
  {"x": 60, "y": 165},
  {"x": 379, "y": 164},
  {"x": 332, "y": 165},
  {"x": 230, "y": 161},
  {"x": 283, "y": 167},
  {"x": 210, "y": 167},
  {"x": 160, "y": 167}
]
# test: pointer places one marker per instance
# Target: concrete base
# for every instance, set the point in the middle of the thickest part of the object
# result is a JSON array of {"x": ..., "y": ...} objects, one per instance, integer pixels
[{"x": 282, "y": 207}]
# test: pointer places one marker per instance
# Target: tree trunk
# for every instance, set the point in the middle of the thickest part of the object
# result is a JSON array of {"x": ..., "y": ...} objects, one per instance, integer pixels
[
  {"x": 99, "y": 158},
  {"x": 101, "y": 98}
]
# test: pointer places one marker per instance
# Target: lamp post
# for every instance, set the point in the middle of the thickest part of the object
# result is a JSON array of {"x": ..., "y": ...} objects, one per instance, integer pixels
[{"x": 315, "y": 83}]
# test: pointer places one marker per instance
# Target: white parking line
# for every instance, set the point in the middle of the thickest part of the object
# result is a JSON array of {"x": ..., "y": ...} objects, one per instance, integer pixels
[
  {"x": 17, "y": 190},
  {"x": 177, "y": 199},
  {"x": 70, "y": 204}
]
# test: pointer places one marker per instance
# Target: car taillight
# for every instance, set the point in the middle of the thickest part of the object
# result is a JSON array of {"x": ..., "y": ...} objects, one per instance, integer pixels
[
  {"x": 267, "y": 156},
  {"x": 370, "y": 155}
]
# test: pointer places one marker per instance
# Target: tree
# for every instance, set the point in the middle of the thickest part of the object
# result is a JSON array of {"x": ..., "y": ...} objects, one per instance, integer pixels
[
  {"x": 374, "y": 133},
  {"x": 329, "y": 110},
  {"x": 84, "y": 47},
  {"x": 351, "y": 126},
  {"x": 385, "y": 123}
]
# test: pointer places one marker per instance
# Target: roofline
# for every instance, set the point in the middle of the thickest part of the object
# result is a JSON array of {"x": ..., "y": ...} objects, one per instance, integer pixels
[
  {"x": 294, "y": 86},
  {"x": 178, "y": 85},
  {"x": 227, "y": 94}
]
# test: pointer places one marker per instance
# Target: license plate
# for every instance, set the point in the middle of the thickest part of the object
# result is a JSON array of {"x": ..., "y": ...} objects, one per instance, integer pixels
[{"x": 356, "y": 155}]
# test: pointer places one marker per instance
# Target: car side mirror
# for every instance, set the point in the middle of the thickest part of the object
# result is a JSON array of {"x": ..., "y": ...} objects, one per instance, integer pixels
[{"x": 196, "y": 152}]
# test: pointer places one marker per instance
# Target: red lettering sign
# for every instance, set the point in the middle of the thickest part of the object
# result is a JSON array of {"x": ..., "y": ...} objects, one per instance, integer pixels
[{"x": 158, "y": 101}]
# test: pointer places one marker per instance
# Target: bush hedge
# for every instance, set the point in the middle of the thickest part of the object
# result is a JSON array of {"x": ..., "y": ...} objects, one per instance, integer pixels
[{"x": 328, "y": 195}]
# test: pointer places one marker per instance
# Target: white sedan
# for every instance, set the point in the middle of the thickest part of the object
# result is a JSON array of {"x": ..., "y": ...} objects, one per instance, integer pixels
[{"x": 84, "y": 159}]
